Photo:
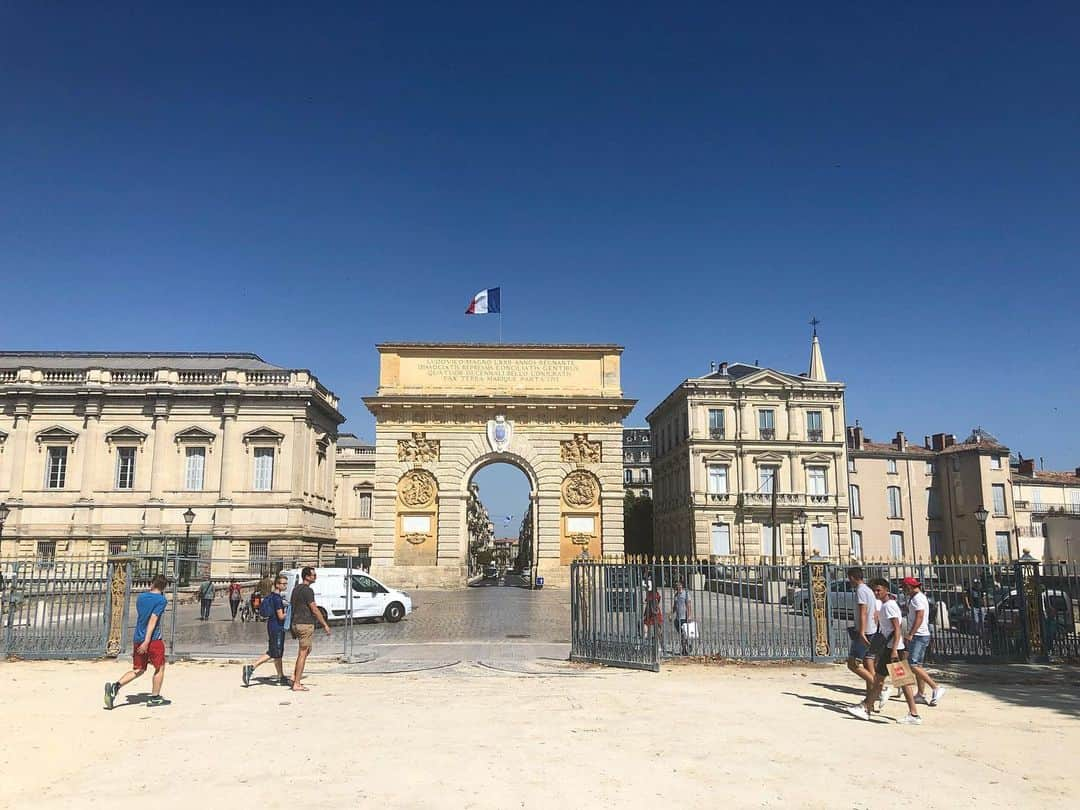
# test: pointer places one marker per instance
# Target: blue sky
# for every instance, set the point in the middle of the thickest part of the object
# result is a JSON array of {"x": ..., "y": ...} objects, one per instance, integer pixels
[{"x": 690, "y": 180}]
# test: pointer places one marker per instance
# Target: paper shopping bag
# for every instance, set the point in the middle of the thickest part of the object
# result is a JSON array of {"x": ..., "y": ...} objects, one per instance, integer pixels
[
  {"x": 900, "y": 674},
  {"x": 689, "y": 629}
]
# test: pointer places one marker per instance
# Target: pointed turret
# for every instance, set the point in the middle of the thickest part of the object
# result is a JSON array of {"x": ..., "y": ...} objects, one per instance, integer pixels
[{"x": 817, "y": 365}]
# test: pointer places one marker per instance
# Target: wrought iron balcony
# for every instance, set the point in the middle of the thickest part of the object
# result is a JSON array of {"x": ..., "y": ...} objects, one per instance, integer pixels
[
  {"x": 716, "y": 433},
  {"x": 767, "y": 434},
  {"x": 815, "y": 435},
  {"x": 786, "y": 500}
]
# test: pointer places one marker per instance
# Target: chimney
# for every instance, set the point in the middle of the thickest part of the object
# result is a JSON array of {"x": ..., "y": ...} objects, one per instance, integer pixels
[
  {"x": 1027, "y": 467},
  {"x": 950, "y": 439},
  {"x": 723, "y": 369},
  {"x": 938, "y": 441},
  {"x": 712, "y": 367},
  {"x": 855, "y": 437},
  {"x": 1076, "y": 472},
  {"x": 926, "y": 442},
  {"x": 900, "y": 442}
]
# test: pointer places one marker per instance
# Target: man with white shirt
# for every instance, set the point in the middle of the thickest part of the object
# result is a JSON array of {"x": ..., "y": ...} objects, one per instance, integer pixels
[
  {"x": 864, "y": 635},
  {"x": 918, "y": 639},
  {"x": 889, "y": 619}
]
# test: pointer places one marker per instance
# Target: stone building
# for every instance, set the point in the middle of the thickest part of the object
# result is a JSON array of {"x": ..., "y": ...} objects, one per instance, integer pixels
[
  {"x": 637, "y": 461},
  {"x": 354, "y": 492},
  {"x": 723, "y": 443},
  {"x": 100, "y": 448},
  {"x": 1047, "y": 505}
]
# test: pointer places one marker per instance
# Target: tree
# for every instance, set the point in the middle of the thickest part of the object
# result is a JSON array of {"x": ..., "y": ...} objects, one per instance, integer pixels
[{"x": 637, "y": 524}]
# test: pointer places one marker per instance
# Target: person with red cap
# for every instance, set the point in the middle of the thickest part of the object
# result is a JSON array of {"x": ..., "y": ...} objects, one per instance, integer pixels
[{"x": 918, "y": 640}]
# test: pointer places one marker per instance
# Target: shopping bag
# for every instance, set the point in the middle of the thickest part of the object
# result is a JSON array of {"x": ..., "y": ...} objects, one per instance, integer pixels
[
  {"x": 689, "y": 629},
  {"x": 900, "y": 674}
]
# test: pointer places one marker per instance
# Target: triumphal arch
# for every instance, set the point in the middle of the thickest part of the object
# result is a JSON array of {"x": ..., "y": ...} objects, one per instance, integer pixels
[{"x": 445, "y": 410}]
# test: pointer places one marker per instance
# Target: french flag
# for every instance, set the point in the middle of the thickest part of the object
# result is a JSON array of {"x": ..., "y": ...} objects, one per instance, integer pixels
[{"x": 485, "y": 302}]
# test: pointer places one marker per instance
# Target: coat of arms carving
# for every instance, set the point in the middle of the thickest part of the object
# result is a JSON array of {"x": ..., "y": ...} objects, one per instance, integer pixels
[
  {"x": 419, "y": 448},
  {"x": 580, "y": 489},
  {"x": 580, "y": 450},
  {"x": 500, "y": 433},
  {"x": 417, "y": 489}
]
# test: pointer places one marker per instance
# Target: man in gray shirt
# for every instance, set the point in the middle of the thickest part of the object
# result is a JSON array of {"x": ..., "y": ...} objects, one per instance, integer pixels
[{"x": 304, "y": 615}]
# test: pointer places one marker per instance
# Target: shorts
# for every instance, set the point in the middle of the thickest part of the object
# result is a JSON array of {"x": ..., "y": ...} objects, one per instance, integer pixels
[
  {"x": 276, "y": 649},
  {"x": 916, "y": 650},
  {"x": 881, "y": 665},
  {"x": 155, "y": 654},
  {"x": 304, "y": 634},
  {"x": 860, "y": 651}
]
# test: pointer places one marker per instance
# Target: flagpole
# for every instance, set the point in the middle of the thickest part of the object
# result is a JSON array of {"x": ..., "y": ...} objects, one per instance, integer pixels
[{"x": 500, "y": 324}]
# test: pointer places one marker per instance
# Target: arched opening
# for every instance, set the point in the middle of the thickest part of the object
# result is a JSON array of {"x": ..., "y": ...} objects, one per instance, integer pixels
[{"x": 499, "y": 524}]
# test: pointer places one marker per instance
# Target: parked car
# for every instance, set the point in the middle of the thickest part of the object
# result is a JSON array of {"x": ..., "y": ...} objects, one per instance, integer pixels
[
  {"x": 1057, "y": 608},
  {"x": 370, "y": 597},
  {"x": 841, "y": 599},
  {"x": 491, "y": 571}
]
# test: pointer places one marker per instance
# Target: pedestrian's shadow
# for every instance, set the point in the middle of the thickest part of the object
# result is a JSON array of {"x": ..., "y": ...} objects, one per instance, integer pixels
[
  {"x": 268, "y": 680},
  {"x": 835, "y": 706},
  {"x": 847, "y": 690},
  {"x": 139, "y": 699}
]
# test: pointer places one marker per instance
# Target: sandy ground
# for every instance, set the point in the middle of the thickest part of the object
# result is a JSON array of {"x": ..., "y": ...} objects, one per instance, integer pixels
[{"x": 470, "y": 736}]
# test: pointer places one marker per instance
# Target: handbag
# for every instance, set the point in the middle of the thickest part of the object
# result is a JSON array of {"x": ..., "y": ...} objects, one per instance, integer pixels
[
  {"x": 287, "y": 624},
  {"x": 901, "y": 674},
  {"x": 689, "y": 629}
]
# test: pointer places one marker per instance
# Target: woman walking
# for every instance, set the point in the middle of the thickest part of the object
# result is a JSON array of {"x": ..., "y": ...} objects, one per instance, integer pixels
[
  {"x": 235, "y": 595},
  {"x": 682, "y": 609}
]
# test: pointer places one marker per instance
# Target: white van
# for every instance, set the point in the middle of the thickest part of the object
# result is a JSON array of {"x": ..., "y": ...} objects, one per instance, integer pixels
[{"x": 370, "y": 598}]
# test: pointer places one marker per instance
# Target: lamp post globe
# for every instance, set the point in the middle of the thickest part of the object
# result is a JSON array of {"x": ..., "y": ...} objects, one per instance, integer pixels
[
  {"x": 800, "y": 518},
  {"x": 4, "y": 512},
  {"x": 189, "y": 517},
  {"x": 981, "y": 515}
]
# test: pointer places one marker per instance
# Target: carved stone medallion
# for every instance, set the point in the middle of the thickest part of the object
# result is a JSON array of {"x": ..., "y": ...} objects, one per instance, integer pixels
[
  {"x": 580, "y": 450},
  {"x": 580, "y": 489},
  {"x": 500, "y": 433},
  {"x": 417, "y": 489},
  {"x": 419, "y": 448}
]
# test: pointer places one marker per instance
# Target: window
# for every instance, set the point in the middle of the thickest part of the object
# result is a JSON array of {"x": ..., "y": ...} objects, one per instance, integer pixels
[
  {"x": 125, "y": 467},
  {"x": 767, "y": 541},
  {"x": 936, "y": 547},
  {"x": 856, "y": 545},
  {"x": 644, "y": 455},
  {"x": 1036, "y": 499},
  {"x": 117, "y": 547},
  {"x": 929, "y": 468},
  {"x": 933, "y": 503},
  {"x": 645, "y": 475},
  {"x": 856, "y": 501},
  {"x": 259, "y": 556},
  {"x": 56, "y": 468},
  {"x": 819, "y": 534},
  {"x": 46, "y": 553},
  {"x": 264, "y": 469},
  {"x": 850, "y": 464},
  {"x": 363, "y": 506},
  {"x": 766, "y": 477},
  {"x": 194, "y": 468},
  {"x": 890, "y": 466},
  {"x": 716, "y": 423},
  {"x": 998, "y": 491},
  {"x": 646, "y": 493},
  {"x": 995, "y": 462},
  {"x": 813, "y": 426},
  {"x": 628, "y": 476},
  {"x": 766, "y": 427},
  {"x": 817, "y": 480},
  {"x": 896, "y": 545},
  {"x": 721, "y": 539},
  {"x": 718, "y": 479},
  {"x": 628, "y": 457},
  {"x": 895, "y": 510},
  {"x": 1001, "y": 540}
]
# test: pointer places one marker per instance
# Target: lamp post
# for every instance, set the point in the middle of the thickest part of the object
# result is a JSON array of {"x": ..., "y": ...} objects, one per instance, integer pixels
[
  {"x": 800, "y": 518},
  {"x": 189, "y": 518},
  {"x": 4, "y": 512},
  {"x": 981, "y": 515}
]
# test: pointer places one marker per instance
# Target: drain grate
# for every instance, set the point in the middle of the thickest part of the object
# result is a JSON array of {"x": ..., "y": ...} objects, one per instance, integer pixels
[{"x": 518, "y": 635}]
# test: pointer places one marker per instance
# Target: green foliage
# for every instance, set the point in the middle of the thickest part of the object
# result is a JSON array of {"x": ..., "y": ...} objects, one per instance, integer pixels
[{"x": 637, "y": 524}]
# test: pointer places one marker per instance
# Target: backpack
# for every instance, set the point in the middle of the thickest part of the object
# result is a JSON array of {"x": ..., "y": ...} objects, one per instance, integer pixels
[{"x": 265, "y": 609}]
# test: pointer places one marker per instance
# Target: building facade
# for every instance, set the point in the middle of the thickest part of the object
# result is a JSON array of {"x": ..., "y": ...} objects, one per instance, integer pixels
[
  {"x": 98, "y": 449},
  {"x": 1047, "y": 505},
  {"x": 637, "y": 461},
  {"x": 354, "y": 493},
  {"x": 725, "y": 443}
]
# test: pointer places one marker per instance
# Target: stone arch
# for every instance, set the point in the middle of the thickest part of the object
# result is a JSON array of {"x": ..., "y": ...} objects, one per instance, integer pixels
[{"x": 487, "y": 458}]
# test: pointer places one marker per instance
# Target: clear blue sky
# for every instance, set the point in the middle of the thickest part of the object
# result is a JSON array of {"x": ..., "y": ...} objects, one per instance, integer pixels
[{"x": 690, "y": 180}]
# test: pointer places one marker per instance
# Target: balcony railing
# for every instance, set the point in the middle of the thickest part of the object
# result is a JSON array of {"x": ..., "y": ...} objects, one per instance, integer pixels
[
  {"x": 767, "y": 434},
  {"x": 786, "y": 499},
  {"x": 1022, "y": 505},
  {"x": 1046, "y": 509},
  {"x": 716, "y": 433},
  {"x": 815, "y": 435}
]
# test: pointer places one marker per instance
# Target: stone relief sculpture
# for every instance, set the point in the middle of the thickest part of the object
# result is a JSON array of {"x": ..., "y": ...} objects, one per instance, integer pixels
[
  {"x": 419, "y": 448},
  {"x": 417, "y": 489},
  {"x": 580, "y": 450},
  {"x": 580, "y": 489}
]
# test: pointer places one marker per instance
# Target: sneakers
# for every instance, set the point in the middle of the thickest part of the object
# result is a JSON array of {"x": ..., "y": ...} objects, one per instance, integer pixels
[
  {"x": 246, "y": 676},
  {"x": 110, "y": 694},
  {"x": 156, "y": 700},
  {"x": 880, "y": 704},
  {"x": 922, "y": 699},
  {"x": 858, "y": 710},
  {"x": 910, "y": 720},
  {"x": 283, "y": 681},
  {"x": 936, "y": 695}
]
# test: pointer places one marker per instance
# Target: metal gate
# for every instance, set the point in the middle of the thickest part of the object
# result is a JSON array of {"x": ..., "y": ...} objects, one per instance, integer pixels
[
  {"x": 55, "y": 609},
  {"x": 606, "y": 616}
]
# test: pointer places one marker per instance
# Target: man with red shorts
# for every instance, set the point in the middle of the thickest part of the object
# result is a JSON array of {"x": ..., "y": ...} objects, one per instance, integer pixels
[{"x": 149, "y": 647}]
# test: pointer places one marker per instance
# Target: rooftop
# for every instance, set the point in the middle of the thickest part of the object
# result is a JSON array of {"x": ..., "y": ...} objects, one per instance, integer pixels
[
  {"x": 202, "y": 361},
  {"x": 1048, "y": 477}
]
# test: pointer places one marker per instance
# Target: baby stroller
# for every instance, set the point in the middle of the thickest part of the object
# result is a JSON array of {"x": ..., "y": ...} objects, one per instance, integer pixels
[{"x": 249, "y": 610}]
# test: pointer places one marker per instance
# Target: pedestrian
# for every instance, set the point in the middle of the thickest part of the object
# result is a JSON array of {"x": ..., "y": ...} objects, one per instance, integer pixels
[
  {"x": 274, "y": 608},
  {"x": 265, "y": 586},
  {"x": 864, "y": 635},
  {"x": 653, "y": 616},
  {"x": 917, "y": 640},
  {"x": 304, "y": 615},
  {"x": 148, "y": 646},
  {"x": 235, "y": 595},
  {"x": 889, "y": 619},
  {"x": 682, "y": 611},
  {"x": 206, "y": 598}
]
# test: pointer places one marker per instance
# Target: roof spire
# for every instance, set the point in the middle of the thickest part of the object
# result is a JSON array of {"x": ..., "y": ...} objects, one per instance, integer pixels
[{"x": 817, "y": 365}]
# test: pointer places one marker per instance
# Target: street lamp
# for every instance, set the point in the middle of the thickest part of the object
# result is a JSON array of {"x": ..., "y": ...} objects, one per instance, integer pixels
[
  {"x": 800, "y": 518},
  {"x": 4, "y": 512},
  {"x": 981, "y": 515},
  {"x": 189, "y": 516}
]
